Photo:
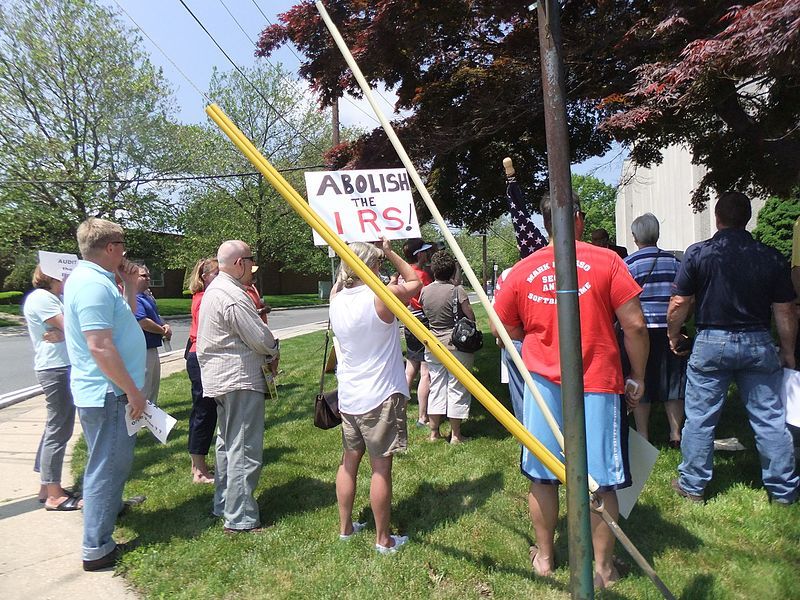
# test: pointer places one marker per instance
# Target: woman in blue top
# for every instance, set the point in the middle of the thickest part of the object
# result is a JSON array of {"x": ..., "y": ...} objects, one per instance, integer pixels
[{"x": 44, "y": 314}]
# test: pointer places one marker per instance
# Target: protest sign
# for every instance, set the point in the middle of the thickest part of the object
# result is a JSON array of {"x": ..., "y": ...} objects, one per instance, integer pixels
[
  {"x": 790, "y": 394},
  {"x": 362, "y": 206},
  {"x": 642, "y": 456},
  {"x": 57, "y": 264},
  {"x": 156, "y": 420}
]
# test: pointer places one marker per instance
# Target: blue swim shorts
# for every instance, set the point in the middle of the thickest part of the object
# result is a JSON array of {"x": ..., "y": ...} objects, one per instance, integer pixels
[{"x": 606, "y": 436}]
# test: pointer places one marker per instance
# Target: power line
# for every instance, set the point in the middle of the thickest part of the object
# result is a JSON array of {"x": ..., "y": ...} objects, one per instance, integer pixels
[
  {"x": 149, "y": 179},
  {"x": 247, "y": 79},
  {"x": 298, "y": 91},
  {"x": 389, "y": 104},
  {"x": 172, "y": 62}
]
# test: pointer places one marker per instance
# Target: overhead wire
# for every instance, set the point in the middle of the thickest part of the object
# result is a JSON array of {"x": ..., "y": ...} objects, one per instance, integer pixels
[
  {"x": 247, "y": 79},
  {"x": 172, "y": 62},
  {"x": 289, "y": 81},
  {"x": 151, "y": 179}
]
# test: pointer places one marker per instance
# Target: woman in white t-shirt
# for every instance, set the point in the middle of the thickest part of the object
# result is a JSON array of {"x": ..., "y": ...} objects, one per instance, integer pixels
[
  {"x": 44, "y": 314},
  {"x": 372, "y": 388}
]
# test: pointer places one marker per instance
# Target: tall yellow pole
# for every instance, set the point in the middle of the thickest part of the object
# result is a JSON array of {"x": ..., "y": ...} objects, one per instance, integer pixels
[{"x": 366, "y": 275}]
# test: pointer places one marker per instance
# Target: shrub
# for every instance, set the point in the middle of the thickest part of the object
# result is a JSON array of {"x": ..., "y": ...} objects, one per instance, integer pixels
[{"x": 10, "y": 297}]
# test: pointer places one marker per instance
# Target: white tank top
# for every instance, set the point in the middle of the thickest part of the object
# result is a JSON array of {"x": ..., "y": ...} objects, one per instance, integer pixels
[{"x": 370, "y": 362}]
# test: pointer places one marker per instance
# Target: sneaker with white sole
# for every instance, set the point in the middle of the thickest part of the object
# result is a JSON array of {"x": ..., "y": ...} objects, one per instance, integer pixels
[
  {"x": 356, "y": 528},
  {"x": 399, "y": 540}
]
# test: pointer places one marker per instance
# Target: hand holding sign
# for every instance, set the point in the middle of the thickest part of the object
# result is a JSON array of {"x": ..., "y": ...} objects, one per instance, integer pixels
[
  {"x": 362, "y": 206},
  {"x": 155, "y": 419}
]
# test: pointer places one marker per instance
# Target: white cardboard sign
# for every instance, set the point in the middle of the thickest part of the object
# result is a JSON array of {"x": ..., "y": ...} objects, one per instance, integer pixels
[
  {"x": 642, "y": 456},
  {"x": 362, "y": 206},
  {"x": 57, "y": 264},
  {"x": 790, "y": 394},
  {"x": 153, "y": 418}
]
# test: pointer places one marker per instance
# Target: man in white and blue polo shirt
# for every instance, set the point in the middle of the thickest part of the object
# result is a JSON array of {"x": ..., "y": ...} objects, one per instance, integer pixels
[{"x": 107, "y": 350}]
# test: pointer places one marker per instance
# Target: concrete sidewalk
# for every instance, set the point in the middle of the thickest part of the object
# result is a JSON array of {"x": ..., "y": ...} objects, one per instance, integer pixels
[{"x": 41, "y": 550}]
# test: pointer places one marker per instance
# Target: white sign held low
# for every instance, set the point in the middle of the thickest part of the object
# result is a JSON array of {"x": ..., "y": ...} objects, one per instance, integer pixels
[
  {"x": 57, "y": 265},
  {"x": 362, "y": 206},
  {"x": 156, "y": 420}
]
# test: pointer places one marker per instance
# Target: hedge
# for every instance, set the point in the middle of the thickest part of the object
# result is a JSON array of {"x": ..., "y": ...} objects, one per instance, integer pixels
[{"x": 10, "y": 297}]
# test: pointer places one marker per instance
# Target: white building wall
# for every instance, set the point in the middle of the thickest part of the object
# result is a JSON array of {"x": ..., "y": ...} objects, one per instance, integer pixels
[{"x": 666, "y": 190}]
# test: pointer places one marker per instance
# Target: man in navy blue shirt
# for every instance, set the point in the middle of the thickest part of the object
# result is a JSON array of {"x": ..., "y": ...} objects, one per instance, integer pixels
[
  {"x": 155, "y": 330},
  {"x": 734, "y": 281}
]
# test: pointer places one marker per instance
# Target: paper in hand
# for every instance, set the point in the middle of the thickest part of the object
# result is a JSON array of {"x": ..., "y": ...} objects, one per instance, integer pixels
[{"x": 153, "y": 418}]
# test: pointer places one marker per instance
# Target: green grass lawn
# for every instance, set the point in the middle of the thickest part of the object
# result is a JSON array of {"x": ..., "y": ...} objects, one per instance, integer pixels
[
  {"x": 464, "y": 508},
  {"x": 181, "y": 306},
  {"x": 10, "y": 309}
]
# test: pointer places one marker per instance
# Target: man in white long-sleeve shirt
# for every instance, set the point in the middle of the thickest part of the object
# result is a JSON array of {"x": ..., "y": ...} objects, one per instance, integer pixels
[{"x": 233, "y": 344}]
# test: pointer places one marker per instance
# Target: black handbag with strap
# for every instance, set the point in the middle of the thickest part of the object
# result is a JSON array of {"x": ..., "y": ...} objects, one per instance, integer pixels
[
  {"x": 326, "y": 404},
  {"x": 466, "y": 336}
]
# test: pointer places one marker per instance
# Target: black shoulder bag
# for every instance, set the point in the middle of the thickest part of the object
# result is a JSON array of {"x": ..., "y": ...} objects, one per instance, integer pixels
[
  {"x": 466, "y": 336},
  {"x": 326, "y": 405}
]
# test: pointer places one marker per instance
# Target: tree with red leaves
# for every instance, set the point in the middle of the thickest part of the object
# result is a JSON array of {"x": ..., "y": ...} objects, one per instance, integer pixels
[
  {"x": 723, "y": 80},
  {"x": 731, "y": 94}
]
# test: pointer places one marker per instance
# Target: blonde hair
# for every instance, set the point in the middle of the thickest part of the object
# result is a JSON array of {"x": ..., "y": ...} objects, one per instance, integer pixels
[
  {"x": 369, "y": 255},
  {"x": 42, "y": 281},
  {"x": 203, "y": 267},
  {"x": 95, "y": 234}
]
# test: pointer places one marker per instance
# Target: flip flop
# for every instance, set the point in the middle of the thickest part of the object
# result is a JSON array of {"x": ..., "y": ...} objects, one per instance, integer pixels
[
  {"x": 533, "y": 552},
  {"x": 70, "y": 503}
]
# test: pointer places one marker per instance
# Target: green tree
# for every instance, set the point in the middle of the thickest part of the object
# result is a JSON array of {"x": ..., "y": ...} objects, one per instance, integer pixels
[
  {"x": 81, "y": 102},
  {"x": 598, "y": 201},
  {"x": 290, "y": 132},
  {"x": 776, "y": 221}
]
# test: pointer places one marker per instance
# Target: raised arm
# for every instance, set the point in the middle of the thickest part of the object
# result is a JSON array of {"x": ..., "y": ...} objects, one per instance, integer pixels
[
  {"x": 405, "y": 291},
  {"x": 529, "y": 238}
]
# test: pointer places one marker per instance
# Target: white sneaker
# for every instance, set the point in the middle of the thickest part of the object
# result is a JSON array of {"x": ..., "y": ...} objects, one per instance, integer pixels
[
  {"x": 356, "y": 528},
  {"x": 399, "y": 540}
]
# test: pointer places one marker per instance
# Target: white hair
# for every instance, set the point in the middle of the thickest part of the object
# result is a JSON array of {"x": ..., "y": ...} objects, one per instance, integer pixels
[{"x": 645, "y": 229}]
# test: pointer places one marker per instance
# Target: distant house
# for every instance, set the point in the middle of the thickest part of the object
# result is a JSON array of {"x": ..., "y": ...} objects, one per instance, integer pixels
[{"x": 665, "y": 190}]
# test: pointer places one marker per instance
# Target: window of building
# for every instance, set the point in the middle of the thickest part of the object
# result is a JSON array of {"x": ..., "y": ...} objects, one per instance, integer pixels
[{"x": 156, "y": 278}]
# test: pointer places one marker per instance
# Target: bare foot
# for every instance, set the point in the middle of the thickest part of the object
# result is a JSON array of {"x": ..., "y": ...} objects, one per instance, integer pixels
[
  {"x": 542, "y": 565},
  {"x": 459, "y": 440},
  {"x": 606, "y": 580},
  {"x": 200, "y": 477},
  {"x": 435, "y": 437},
  {"x": 54, "y": 502}
]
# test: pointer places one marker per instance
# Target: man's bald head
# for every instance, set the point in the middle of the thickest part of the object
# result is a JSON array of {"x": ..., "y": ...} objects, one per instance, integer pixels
[{"x": 231, "y": 251}]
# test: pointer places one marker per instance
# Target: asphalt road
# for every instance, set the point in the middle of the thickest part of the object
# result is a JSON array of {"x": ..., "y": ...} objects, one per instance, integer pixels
[{"x": 16, "y": 365}]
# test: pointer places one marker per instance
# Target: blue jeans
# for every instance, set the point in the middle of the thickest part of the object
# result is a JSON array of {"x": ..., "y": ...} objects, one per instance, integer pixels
[
  {"x": 516, "y": 385},
  {"x": 749, "y": 358},
  {"x": 107, "y": 468}
]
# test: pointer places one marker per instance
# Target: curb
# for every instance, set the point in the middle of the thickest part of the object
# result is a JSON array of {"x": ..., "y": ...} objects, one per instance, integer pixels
[{"x": 17, "y": 396}]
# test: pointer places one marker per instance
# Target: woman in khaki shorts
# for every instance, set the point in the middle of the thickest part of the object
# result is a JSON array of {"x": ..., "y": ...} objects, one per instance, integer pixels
[{"x": 372, "y": 388}]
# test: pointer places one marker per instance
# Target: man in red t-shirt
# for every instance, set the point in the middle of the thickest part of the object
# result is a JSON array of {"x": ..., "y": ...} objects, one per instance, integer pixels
[
  {"x": 418, "y": 255},
  {"x": 526, "y": 305}
]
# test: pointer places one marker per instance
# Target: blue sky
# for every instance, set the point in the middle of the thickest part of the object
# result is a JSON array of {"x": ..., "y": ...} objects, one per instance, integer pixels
[{"x": 174, "y": 31}]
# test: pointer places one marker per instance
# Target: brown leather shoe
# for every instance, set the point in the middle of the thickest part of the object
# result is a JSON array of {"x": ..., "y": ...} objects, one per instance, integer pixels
[{"x": 676, "y": 485}]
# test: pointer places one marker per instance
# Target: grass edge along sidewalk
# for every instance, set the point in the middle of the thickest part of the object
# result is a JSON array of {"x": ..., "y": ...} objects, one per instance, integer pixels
[{"x": 464, "y": 508}]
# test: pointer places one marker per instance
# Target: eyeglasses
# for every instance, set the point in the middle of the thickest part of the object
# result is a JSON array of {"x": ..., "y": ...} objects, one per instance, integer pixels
[
  {"x": 145, "y": 276},
  {"x": 120, "y": 242},
  {"x": 250, "y": 258}
]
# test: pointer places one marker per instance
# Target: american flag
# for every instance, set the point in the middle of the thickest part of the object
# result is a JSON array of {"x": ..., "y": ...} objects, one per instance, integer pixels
[{"x": 529, "y": 238}]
